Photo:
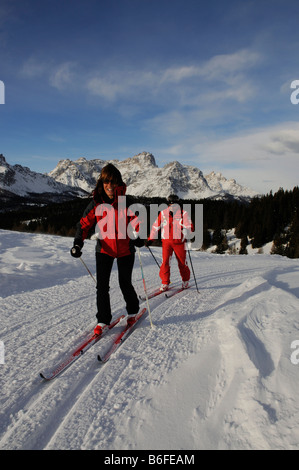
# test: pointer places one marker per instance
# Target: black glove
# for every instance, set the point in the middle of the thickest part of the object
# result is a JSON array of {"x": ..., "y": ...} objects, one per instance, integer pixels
[
  {"x": 148, "y": 242},
  {"x": 76, "y": 250},
  {"x": 138, "y": 242}
]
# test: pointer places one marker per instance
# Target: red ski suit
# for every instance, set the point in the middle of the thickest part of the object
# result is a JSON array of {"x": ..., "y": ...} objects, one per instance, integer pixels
[{"x": 173, "y": 228}]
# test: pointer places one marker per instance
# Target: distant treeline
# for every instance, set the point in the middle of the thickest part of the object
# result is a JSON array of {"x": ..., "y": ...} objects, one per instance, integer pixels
[{"x": 273, "y": 217}]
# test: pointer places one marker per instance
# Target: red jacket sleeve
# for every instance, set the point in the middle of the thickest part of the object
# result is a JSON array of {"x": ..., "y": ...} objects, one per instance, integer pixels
[{"x": 87, "y": 222}]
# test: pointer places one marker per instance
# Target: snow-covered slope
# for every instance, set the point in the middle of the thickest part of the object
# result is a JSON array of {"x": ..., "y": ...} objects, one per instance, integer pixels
[
  {"x": 144, "y": 178},
  {"x": 214, "y": 373}
]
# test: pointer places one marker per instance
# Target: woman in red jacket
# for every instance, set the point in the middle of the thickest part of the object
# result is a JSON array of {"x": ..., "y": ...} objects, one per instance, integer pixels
[
  {"x": 174, "y": 224},
  {"x": 110, "y": 215}
]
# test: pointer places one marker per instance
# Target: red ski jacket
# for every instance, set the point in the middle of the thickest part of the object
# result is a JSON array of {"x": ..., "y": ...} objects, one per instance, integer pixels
[
  {"x": 110, "y": 221},
  {"x": 173, "y": 226}
]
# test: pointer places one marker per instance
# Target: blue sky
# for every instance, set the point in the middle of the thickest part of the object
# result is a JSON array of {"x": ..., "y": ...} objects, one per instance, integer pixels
[{"x": 206, "y": 83}]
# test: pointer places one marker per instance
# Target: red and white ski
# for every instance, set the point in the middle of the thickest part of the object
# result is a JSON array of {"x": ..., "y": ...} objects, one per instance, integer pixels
[
  {"x": 155, "y": 293},
  {"x": 81, "y": 349},
  {"x": 168, "y": 293},
  {"x": 120, "y": 338},
  {"x": 171, "y": 293}
]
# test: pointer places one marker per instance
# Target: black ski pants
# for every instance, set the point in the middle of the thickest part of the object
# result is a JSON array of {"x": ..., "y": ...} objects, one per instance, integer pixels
[{"x": 125, "y": 266}]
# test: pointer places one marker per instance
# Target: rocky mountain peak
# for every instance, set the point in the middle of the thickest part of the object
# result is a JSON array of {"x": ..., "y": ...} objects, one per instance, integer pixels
[{"x": 142, "y": 159}]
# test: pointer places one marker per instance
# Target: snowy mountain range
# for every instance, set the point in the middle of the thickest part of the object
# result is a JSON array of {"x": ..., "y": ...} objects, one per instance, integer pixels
[
  {"x": 141, "y": 174},
  {"x": 21, "y": 181},
  {"x": 144, "y": 178}
]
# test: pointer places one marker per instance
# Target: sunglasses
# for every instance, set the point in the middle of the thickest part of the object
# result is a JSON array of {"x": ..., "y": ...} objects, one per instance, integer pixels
[{"x": 107, "y": 181}]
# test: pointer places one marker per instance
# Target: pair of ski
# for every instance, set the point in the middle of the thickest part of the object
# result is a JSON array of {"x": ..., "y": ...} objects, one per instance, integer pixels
[
  {"x": 93, "y": 339},
  {"x": 170, "y": 292},
  {"x": 117, "y": 341}
]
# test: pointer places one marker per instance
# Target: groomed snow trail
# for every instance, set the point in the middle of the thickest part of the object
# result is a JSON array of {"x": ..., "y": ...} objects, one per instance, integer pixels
[{"x": 214, "y": 372}]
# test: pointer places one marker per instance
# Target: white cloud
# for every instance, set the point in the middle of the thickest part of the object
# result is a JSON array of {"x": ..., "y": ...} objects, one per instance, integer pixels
[
  {"x": 32, "y": 68},
  {"x": 63, "y": 75},
  {"x": 177, "y": 74},
  {"x": 248, "y": 157},
  {"x": 59, "y": 76},
  {"x": 263, "y": 159},
  {"x": 219, "y": 78},
  {"x": 198, "y": 85},
  {"x": 106, "y": 88},
  {"x": 226, "y": 66},
  {"x": 283, "y": 142},
  {"x": 137, "y": 85},
  {"x": 220, "y": 67}
]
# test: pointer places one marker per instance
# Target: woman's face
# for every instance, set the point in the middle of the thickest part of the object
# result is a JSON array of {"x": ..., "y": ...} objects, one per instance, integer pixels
[{"x": 109, "y": 188}]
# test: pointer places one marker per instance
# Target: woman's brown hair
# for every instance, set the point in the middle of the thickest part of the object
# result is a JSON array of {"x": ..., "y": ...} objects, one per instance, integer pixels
[{"x": 108, "y": 174}]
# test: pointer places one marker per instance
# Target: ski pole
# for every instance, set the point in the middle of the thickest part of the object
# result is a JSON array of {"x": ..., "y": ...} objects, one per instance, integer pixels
[
  {"x": 193, "y": 270},
  {"x": 84, "y": 264},
  {"x": 144, "y": 286},
  {"x": 153, "y": 256}
]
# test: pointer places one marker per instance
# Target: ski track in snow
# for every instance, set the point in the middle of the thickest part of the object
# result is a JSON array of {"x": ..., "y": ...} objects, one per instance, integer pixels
[{"x": 213, "y": 373}]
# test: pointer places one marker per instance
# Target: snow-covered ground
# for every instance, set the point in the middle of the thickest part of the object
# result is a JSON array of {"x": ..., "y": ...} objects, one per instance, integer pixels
[{"x": 217, "y": 371}]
